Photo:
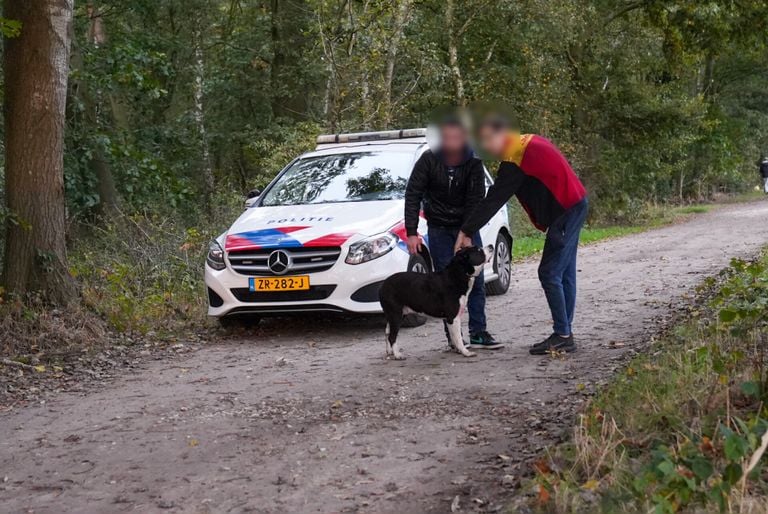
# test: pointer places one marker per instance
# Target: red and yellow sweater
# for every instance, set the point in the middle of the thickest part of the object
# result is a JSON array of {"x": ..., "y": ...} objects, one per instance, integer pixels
[{"x": 534, "y": 170}]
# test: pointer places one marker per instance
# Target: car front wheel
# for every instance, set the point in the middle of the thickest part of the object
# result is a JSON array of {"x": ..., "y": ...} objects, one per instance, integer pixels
[{"x": 502, "y": 266}]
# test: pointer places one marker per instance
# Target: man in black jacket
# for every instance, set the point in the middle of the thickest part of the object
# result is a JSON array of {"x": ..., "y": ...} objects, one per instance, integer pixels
[
  {"x": 764, "y": 173},
  {"x": 450, "y": 183}
]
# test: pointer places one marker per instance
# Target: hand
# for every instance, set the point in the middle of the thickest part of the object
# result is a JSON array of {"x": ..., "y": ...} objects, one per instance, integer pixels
[
  {"x": 462, "y": 241},
  {"x": 414, "y": 244}
]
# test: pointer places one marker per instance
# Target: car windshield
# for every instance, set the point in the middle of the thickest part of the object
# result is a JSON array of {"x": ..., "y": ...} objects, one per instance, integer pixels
[{"x": 346, "y": 177}]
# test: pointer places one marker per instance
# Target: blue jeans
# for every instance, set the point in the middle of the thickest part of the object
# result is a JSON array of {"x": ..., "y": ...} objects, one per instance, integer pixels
[
  {"x": 557, "y": 271},
  {"x": 441, "y": 242}
]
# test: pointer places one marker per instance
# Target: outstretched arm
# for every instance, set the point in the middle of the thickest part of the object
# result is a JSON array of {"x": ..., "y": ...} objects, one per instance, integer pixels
[{"x": 507, "y": 183}]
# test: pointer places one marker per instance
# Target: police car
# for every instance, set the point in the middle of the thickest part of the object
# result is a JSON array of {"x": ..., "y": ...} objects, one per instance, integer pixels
[{"x": 327, "y": 231}]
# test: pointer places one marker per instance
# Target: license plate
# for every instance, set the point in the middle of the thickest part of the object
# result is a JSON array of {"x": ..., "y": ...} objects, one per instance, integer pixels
[{"x": 294, "y": 283}]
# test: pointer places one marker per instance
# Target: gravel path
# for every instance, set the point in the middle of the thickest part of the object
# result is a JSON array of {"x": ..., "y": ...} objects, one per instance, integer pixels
[{"x": 307, "y": 416}]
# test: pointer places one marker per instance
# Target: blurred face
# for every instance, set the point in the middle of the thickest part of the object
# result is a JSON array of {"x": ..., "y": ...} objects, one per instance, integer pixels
[
  {"x": 493, "y": 141},
  {"x": 453, "y": 139}
]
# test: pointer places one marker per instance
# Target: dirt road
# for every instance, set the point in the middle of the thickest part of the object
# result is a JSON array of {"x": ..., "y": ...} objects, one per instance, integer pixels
[{"x": 307, "y": 416}]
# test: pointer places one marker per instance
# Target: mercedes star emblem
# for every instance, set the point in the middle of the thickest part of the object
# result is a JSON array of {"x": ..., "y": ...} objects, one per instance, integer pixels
[{"x": 279, "y": 262}]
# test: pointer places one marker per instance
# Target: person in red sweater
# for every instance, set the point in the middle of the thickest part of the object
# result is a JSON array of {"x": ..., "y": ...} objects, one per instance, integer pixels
[{"x": 533, "y": 169}]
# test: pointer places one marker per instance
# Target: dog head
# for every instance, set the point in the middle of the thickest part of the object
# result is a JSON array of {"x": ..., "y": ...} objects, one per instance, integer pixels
[{"x": 472, "y": 259}]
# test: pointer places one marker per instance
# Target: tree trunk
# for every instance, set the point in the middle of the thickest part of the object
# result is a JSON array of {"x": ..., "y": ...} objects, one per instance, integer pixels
[
  {"x": 92, "y": 106},
  {"x": 205, "y": 152},
  {"x": 453, "y": 52},
  {"x": 36, "y": 67},
  {"x": 400, "y": 21}
]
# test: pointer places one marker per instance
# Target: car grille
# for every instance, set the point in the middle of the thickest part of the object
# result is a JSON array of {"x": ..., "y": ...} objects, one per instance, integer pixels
[
  {"x": 244, "y": 294},
  {"x": 305, "y": 260}
]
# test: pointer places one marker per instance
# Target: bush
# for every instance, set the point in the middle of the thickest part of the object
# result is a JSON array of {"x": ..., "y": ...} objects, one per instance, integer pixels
[
  {"x": 145, "y": 272},
  {"x": 683, "y": 430}
]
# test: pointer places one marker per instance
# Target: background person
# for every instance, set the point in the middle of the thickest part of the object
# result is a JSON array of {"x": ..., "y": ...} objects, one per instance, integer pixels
[
  {"x": 450, "y": 183},
  {"x": 535, "y": 171},
  {"x": 764, "y": 173}
]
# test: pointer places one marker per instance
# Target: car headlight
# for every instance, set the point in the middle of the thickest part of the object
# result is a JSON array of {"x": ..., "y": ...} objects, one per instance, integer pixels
[
  {"x": 215, "y": 257},
  {"x": 371, "y": 248}
]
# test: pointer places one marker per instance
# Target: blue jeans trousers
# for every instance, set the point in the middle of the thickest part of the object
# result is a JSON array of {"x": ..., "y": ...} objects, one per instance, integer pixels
[
  {"x": 557, "y": 271},
  {"x": 441, "y": 241}
]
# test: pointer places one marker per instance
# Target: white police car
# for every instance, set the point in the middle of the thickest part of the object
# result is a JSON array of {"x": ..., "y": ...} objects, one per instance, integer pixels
[{"x": 328, "y": 230}]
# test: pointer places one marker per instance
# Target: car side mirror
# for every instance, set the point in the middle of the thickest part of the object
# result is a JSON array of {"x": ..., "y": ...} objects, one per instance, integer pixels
[{"x": 251, "y": 198}]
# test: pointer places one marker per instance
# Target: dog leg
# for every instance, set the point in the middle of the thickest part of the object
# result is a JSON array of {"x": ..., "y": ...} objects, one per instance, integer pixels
[
  {"x": 386, "y": 340},
  {"x": 393, "y": 327},
  {"x": 397, "y": 353},
  {"x": 454, "y": 329}
]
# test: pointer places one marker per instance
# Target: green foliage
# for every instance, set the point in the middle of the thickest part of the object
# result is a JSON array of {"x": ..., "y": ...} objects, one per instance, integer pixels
[
  {"x": 144, "y": 273},
  {"x": 743, "y": 299},
  {"x": 651, "y": 101},
  {"x": 10, "y": 28},
  {"x": 686, "y": 420}
]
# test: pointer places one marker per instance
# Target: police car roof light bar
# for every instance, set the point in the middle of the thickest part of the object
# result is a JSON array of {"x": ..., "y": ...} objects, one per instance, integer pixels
[{"x": 359, "y": 137}]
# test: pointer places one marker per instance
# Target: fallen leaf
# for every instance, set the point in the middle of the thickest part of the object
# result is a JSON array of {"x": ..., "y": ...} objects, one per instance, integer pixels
[
  {"x": 542, "y": 467},
  {"x": 192, "y": 442},
  {"x": 543, "y": 496},
  {"x": 40, "y": 368},
  {"x": 591, "y": 485},
  {"x": 505, "y": 458}
]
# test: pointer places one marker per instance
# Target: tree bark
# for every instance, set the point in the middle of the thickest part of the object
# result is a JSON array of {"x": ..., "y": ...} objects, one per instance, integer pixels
[
  {"x": 278, "y": 60},
  {"x": 92, "y": 106},
  {"x": 402, "y": 14},
  {"x": 453, "y": 52},
  {"x": 199, "y": 113},
  {"x": 36, "y": 68}
]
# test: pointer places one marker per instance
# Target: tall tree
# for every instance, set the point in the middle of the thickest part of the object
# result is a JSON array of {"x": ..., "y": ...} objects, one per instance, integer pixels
[{"x": 36, "y": 66}]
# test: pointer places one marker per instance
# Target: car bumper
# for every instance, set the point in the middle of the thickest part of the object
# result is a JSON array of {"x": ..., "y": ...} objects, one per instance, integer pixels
[{"x": 343, "y": 288}]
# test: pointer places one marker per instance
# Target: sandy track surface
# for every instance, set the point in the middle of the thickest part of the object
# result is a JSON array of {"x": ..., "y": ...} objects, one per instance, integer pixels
[{"x": 307, "y": 416}]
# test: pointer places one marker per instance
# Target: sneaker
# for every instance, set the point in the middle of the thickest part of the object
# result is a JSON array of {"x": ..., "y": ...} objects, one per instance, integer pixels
[
  {"x": 483, "y": 340},
  {"x": 554, "y": 343}
]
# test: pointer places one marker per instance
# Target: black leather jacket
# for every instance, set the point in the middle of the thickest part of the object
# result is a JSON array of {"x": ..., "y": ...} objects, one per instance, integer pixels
[{"x": 449, "y": 193}]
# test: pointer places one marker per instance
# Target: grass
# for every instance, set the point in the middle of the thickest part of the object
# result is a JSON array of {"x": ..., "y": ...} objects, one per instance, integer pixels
[
  {"x": 683, "y": 428},
  {"x": 530, "y": 242},
  {"x": 533, "y": 244}
]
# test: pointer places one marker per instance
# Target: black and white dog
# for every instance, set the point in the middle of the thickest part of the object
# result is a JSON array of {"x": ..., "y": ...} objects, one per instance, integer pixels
[{"x": 441, "y": 295}]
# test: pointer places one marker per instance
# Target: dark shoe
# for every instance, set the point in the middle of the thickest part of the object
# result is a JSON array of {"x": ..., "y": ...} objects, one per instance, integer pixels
[
  {"x": 554, "y": 343},
  {"x": 484, "y": 341}
]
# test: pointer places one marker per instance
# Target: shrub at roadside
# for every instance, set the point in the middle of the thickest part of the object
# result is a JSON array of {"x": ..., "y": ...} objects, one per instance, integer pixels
[
  {"x": 683, "y": 429},
  {"x": 145, "y": 272}
]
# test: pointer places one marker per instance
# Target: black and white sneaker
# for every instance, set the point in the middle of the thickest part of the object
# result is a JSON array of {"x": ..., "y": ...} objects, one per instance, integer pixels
[
  {"x": 554, "y": 344},
  {"x": 484, "y": 341}
]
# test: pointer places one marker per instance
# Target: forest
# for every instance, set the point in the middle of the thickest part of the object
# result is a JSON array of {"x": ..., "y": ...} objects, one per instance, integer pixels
[
  {"x": 133, "y": 132},
  {"x": 175, "y": 109}
]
